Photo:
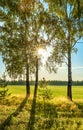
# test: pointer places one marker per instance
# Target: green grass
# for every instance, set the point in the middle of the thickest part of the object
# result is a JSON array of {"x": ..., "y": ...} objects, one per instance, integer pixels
[
  {"x": 77, "y": 91},
  {"x": 58, "y": 91},
  {"x": 19, "y": 89},
  {"x": 57, "y": 113}
]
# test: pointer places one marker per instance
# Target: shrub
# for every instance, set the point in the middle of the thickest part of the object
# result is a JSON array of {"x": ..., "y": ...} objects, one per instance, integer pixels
[{"x": 3, "y": 86}]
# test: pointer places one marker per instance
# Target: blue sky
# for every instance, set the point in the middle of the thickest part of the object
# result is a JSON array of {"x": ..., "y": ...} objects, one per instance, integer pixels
[
  {"x": 77, "y": 67},
  {"x": 2, "y": 67}
]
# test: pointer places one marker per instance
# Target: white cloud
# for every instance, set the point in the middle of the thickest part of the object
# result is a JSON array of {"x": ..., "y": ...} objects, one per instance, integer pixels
[
  {"x": 77, "y": 67},
  {"x": 73, "y": 67}
]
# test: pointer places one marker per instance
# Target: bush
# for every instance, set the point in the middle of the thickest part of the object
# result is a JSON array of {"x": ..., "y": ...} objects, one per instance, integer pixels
[{"x": 3, "y": 86}]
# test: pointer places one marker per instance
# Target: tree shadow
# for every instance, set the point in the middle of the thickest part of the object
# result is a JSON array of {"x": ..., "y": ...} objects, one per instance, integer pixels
[
  {"x": 31, "y": 122},
  {"x": 50, "y": 116},
  {"x": 80, "y": 107},
  {"x": 7, "y": 122},
  {"x": 48, "y": 113}
]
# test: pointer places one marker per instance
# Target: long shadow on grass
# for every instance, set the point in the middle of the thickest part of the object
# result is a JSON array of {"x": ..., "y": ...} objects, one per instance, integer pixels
[
  {"x": 31, "y": 122},
  {"x": 80, "y": 107},
  {"x": 47, "y": 112},
  {"x": 50, "y": 117},
  {"x": 7, "y": 122}
]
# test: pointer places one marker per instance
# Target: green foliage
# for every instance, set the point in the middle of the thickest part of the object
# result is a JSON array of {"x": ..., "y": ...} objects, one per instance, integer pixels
[
  {"x": 65, "y": 18},
  {"x": 46, "y": 93},
  {"x": 68, "y": 26},
  {"x": 3, "y": 86},
  {"x": 18, "y": 32},
  {"x": 43, "y": 83}
]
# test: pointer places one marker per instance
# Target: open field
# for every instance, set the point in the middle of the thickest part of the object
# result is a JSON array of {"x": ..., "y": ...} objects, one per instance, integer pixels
[
  {"x": 56, "y": 90},
  {"x": 55, "y": 113}
]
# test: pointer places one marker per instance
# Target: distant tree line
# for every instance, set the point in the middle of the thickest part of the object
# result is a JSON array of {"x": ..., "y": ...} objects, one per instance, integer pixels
[
  {"x": 49, "y": 82},
  {"x": 62, "y": 83}
]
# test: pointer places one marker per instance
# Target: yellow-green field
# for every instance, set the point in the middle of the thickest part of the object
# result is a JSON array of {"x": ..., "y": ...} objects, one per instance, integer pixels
[
  {"x": 77, "y": 91},
  {"x": 43, "y": 113}
]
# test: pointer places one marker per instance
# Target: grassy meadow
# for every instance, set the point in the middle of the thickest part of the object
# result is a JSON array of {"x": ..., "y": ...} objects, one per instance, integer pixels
[{"x": 49, "y": 111}]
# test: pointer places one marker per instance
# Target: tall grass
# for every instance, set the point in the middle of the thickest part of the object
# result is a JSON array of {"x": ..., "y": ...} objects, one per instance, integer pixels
[{"x": 56, "y": 113}]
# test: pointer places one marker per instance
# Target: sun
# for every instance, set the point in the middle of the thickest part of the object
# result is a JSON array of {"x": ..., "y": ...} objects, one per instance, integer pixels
[{"x": 40, "y": 51}]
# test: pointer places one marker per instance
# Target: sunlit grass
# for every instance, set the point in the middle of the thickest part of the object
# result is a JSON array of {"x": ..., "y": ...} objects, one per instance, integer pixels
[
  {"x": 77, "y": 91},
  {"x": 17, "y": 89},
  {"x": 57, "y": 113}
]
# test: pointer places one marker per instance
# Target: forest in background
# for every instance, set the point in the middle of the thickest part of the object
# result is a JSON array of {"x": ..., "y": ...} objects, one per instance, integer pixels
[{"x": 49, "y": 82}]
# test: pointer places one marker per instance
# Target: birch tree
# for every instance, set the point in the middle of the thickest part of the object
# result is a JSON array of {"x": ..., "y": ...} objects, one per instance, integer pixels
[{"x": 64, "y": 29}]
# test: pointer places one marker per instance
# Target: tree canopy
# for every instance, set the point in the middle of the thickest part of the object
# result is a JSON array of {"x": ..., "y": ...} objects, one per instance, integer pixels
[
  {"x": 64, "y": 29},
  {"x": 27, "y": 25}
]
